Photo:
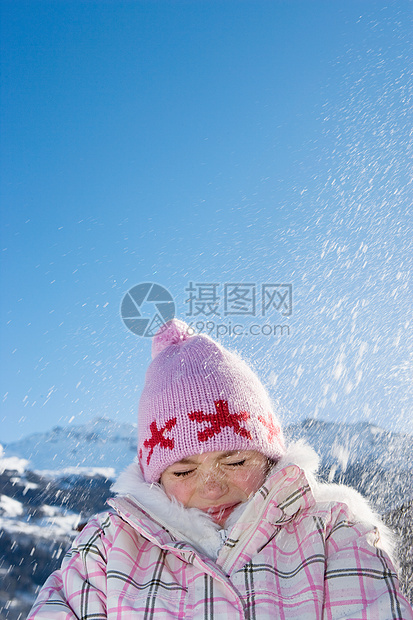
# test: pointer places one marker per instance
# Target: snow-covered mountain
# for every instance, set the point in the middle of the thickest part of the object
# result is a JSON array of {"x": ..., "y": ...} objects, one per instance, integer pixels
[
  {"x": 39, "y": 517},
  {"x": 376, "y": 462},
  {"x": 100, "y": 443},
  {"x": 341, "y": 445}
]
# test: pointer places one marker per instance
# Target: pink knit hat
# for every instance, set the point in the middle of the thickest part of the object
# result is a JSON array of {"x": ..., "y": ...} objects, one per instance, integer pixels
[{"x": 198, "y": 397}]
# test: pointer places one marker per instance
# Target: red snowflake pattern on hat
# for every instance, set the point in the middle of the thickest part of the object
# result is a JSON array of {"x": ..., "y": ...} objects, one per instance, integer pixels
[
  {"x": 273, "y": 431},
  {"x": 157, "y": 437},
  {"x": 220, "y": 420}
]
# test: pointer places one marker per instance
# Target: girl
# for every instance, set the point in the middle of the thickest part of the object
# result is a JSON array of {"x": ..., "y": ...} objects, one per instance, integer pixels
[{"x": 217, "y": 518}]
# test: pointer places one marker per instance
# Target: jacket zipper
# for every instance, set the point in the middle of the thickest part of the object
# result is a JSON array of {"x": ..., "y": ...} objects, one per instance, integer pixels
[{"x": 235, "y": 550}]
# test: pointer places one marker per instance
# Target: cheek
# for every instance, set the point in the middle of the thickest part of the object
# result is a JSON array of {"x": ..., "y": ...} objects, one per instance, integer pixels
[
  {"x": 250, "y": 481},
  {"x": 181, "y": 490}
]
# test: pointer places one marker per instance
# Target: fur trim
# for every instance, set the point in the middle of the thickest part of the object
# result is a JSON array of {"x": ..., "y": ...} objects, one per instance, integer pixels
[
  {"x": 194, "y": 525},
  {"x": 361, "y": 512},
  {"x": 301, "y": 454}
]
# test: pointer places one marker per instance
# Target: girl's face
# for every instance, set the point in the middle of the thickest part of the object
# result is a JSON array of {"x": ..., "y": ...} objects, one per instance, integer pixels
[{"x": 216, "y": 482}]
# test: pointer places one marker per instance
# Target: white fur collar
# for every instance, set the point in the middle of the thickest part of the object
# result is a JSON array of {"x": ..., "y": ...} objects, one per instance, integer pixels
[
  {"x": 195, "y": 525},
  {"x": 198, "y": 528}
]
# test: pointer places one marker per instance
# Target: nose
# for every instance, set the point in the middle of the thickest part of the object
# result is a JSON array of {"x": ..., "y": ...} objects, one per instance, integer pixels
[{"x": 212, "y": 486}]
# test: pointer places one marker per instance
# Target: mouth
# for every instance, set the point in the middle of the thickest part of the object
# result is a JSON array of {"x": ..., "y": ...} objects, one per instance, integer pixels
[{"x": 219, "y": 514}]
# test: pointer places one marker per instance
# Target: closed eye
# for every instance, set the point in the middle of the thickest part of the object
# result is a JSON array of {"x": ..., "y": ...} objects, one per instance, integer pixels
[
  {"x": 182, "y": 474},
  {"x": 237, "y": 464}
]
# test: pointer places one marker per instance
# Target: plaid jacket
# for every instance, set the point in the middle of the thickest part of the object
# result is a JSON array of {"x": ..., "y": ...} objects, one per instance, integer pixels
[{"x": 292, "y": 554}]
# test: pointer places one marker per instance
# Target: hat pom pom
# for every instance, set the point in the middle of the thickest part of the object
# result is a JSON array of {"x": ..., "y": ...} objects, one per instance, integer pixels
[{"x": 172, "y": 332}]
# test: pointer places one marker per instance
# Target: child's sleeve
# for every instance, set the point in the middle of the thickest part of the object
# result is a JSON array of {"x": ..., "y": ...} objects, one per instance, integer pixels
[
  {"x": 360, "y": 579},
  {"x": 78, "y": 589}
]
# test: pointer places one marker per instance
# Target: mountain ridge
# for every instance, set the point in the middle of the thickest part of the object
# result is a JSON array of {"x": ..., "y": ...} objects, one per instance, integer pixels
[{"x": 104, "y": 442}]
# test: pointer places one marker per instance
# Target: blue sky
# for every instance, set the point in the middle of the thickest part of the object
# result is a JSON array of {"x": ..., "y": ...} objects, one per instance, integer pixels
[{"x": 207, "y": 142}]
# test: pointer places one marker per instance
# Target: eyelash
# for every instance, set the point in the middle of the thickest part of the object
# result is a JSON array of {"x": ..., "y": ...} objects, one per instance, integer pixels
[
  {"x": 182, "y": 474},
  {"x": 237, "y": 464}
]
